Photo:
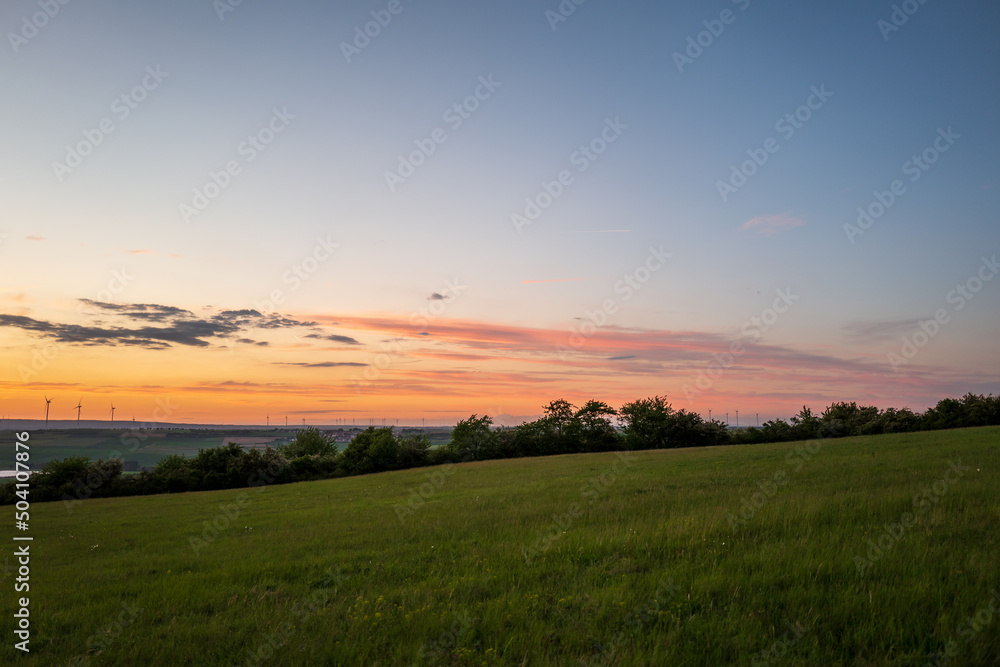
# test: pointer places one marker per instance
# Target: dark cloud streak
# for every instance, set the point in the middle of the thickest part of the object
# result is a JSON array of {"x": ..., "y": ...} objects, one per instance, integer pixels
[
  {"x": 179, "y": 326},
  {"x": 321, "y": 364}
]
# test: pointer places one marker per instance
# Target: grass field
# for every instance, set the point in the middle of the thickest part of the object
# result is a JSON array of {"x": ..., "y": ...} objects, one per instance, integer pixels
[{"x": 661, "y": 557}]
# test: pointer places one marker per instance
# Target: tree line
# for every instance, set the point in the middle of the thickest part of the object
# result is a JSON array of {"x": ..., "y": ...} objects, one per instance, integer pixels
[{"x": 649, "y": 423}]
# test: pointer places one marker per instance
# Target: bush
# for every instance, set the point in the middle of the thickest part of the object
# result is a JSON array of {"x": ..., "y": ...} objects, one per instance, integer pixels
[
  {"x": 593, "y": 429},
  {"x": 413, "y": 451},
  {"x": 172, "y": 464},
  {"x": 373, "y": 450},
  {"x": 57, "y": 473},
  {"x": 841, "y": 419},
  {"x": 310, "y": 442},
  {"x": 647, "y": 423},
  {"x": 219, "y": 467},
  {"x": 805, "y": 425},
  {"x": 472, "y": 439},
  {"x": 102, "y": 476}
]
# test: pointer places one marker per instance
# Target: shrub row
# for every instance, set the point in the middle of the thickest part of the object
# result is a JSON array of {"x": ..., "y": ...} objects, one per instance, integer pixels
[{"x": 649, "y": 423}]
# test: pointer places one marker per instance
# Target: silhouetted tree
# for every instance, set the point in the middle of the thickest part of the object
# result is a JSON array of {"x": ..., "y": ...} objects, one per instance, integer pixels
[
  {"x": 310, "y": 441},
  {"x": 472, "y": 439}
]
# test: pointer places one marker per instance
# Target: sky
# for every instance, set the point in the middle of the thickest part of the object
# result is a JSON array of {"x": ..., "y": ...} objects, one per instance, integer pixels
[{"x": 421, "y": 210}]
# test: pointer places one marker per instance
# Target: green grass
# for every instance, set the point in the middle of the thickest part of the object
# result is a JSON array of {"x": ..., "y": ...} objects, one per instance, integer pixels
[{"x": 328, "y": 573}]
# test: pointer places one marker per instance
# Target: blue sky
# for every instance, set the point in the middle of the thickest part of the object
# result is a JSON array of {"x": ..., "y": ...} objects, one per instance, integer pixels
[{"x": 324, "y": 176}]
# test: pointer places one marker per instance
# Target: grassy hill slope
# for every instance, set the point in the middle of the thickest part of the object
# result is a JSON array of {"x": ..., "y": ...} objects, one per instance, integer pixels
[{"x": 658, "y": 557}]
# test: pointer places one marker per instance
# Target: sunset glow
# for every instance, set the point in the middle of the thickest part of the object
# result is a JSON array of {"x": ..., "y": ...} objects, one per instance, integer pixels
[{"x": 239, "y": 218}]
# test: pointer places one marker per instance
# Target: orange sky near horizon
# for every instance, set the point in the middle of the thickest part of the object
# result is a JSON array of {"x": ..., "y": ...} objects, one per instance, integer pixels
[{"x": 437, "y": 369}]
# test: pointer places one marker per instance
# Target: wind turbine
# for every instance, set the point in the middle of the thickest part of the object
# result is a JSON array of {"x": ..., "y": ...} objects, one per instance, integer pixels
[
  {"x": 47, "y": 401},
  {"x": 112, "y": 414},
  {"x": 79, "y": 406}
]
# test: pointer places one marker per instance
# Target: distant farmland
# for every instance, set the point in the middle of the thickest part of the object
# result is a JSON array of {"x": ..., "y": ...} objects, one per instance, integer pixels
[
  {"x": 877, "y": 550},
  {"x": 146, "y": 447}
]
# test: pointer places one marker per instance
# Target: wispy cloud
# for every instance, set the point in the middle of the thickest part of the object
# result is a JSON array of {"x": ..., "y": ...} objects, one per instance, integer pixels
[
  {"x": 320, "y": 364},
  {"x": 867, "y": 331},
  {"x": 677, "y": 352},
  {"x": 595, "y": 231},
  {"x": 336, "y": 338},
  {"x": 249, "y": 341},
  {"x": 769, "y": 225},
  {"x": 140, "y": 311}
]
